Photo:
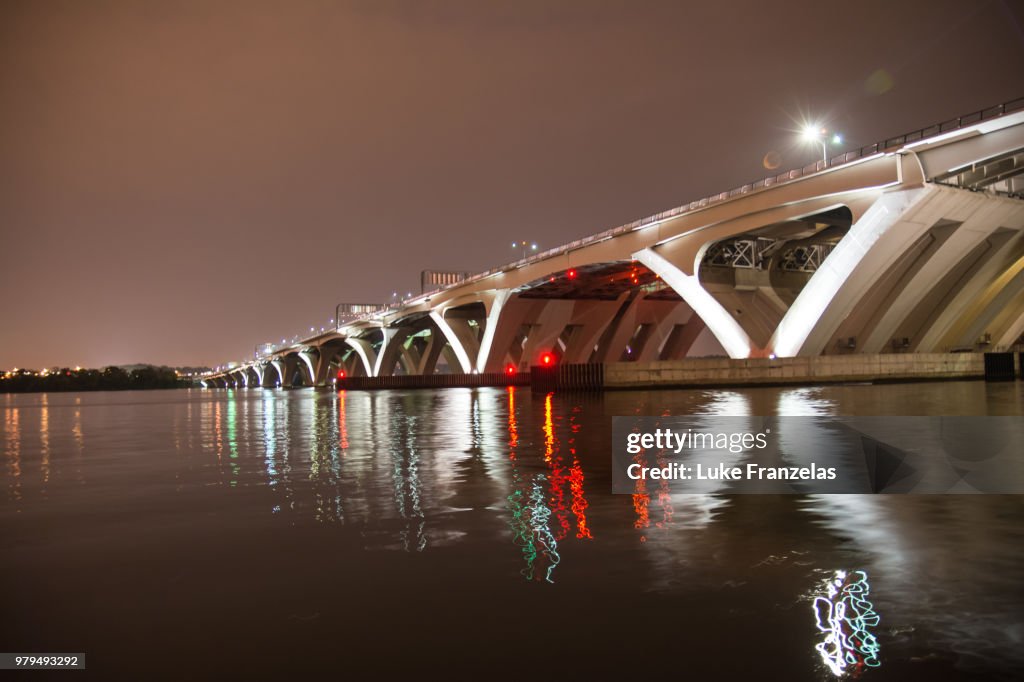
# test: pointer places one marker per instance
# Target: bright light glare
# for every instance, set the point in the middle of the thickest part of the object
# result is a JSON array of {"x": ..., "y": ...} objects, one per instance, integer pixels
[
  {"x": 837, "y": 139},
  {"x": 811, "y": 132}
]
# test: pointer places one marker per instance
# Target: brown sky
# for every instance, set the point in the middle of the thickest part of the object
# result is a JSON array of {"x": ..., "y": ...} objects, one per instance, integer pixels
[{"x": 182, "y": 180}]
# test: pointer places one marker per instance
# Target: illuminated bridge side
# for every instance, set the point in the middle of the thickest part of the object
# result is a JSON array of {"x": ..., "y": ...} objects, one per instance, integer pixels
[{"x": 918, "y": 247}]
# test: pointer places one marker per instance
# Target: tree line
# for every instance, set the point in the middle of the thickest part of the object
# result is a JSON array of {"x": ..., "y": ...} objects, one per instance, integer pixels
[{"x": 106, "y": 379}]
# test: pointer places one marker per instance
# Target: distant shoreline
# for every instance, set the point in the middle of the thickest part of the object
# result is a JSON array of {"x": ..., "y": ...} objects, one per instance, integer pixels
[{"x": 66, "y": 380}]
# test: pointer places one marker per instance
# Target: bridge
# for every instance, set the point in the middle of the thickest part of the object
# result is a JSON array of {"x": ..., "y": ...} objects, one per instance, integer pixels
[{"x": 911, "y": 245}]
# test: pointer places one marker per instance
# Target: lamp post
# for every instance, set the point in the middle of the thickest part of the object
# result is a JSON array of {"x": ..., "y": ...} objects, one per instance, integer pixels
[
  {"x": 531, "y": 246},
  {"x": 818, "y": 134}
]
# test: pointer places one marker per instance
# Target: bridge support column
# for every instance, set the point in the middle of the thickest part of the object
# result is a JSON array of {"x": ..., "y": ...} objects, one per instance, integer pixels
[
  {"x": 548, "y": 324},
  {"x": 365, "y": 351},
  {"x": 664, "y": 317},
  {"x": 1013, "y": 332},
  {"x": 309, "y": 375},
  {"x": 325, "y": 355},
  {"x": 505, "y": 330},
  {"x": 619, "y": 331},
  {"x": 278, "y": 366},
  {"x": 998, "y": 311},
  {"x": 454, "y": 340},
  {"x": 387, "y": 351},
  {"x": 410, "y": 357},
  {"x": 725, "y": 328},
  {"x": 493, "y": 305},
  {"x": 285, "y": 367},
  {"x": 429, "y": 356},
  {"x": 395, "y": 351},
  {"x": 959, "y": 307},
  {"x": 842, "y": 280},
  {"x": 590, "y": 319},
  {"x": 290, "y": 364},
  {"x": 983, "y": 218},
  {"x": 681, "y": 339}
]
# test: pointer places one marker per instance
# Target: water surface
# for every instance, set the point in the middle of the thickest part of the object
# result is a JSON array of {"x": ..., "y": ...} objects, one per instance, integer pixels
[{"x": 472, "y": 533}]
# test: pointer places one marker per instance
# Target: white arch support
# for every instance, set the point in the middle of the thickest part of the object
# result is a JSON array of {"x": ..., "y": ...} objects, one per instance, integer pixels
[
  {"x": 453, "y": 340},
  {"x": 490, "y": 327},
  {"x": 1003, "y": 297},
  {"x": 1013, "y": 332},
  {"x": 725, "y": 328},
  {"x": 259, "y": 372},
  {"x": 388, "y": 335},
  {"x": 280, "y": 371},
  {"x": 309, "y": 363},
  {"x": 984, "y": 220},
  {"x": 360, "y": 347},
  {"x": 818, "y": 294}
]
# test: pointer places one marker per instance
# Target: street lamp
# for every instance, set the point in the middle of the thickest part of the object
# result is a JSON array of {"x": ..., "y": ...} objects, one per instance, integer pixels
[
  {"x": 816, "y": 133},
  {"x": 526, "y": 246}
]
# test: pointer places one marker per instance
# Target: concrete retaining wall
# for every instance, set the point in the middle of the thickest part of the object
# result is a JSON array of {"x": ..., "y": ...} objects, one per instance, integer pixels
[
  {"x": 811, "y": 370},
  {"x": 434, "y": 381}
]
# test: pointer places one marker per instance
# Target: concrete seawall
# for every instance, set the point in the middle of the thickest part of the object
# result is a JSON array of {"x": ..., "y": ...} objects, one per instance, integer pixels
[{"x": 809, "y": 370}]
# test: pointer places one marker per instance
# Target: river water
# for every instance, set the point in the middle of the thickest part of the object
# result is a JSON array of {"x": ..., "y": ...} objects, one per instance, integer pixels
[{"x": 472, "y": 534}]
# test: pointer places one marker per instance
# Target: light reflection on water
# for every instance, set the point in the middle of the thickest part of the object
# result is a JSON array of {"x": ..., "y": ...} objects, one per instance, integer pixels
[{"x": 521, "y": 482}]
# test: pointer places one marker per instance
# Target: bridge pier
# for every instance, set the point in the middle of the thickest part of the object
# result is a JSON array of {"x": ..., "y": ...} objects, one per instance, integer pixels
[
  {"x": 326, "y": 353},
  {"x": 365, "y": 352},
  {"x": 279, "y": 369},
  {"x": 836, "y": 287},
  {"x": 949, "y": 244},
  {"x": 306, "y": 368},
  {"x": 457, "y": 338},
  {"x": 729, "y": 333}
]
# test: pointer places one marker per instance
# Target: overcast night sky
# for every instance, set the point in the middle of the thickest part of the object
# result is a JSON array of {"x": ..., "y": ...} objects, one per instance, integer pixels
[{"x": 182, "y": 180}]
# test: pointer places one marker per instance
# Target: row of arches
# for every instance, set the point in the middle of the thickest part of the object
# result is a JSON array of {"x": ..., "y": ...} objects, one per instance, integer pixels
[{"x": 926, "y": 268}]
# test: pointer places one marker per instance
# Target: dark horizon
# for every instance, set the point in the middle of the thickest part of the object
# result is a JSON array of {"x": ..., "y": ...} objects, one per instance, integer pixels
[{"x": 184, "y": 183}]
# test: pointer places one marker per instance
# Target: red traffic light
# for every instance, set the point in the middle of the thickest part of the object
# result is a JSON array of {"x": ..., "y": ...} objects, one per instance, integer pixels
[
  {"x": 547, "y": 359},
  {"x": 571, "y": 273},
  {"x": 341, "y": 374},
  {"x": 510, "y": 369}
]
